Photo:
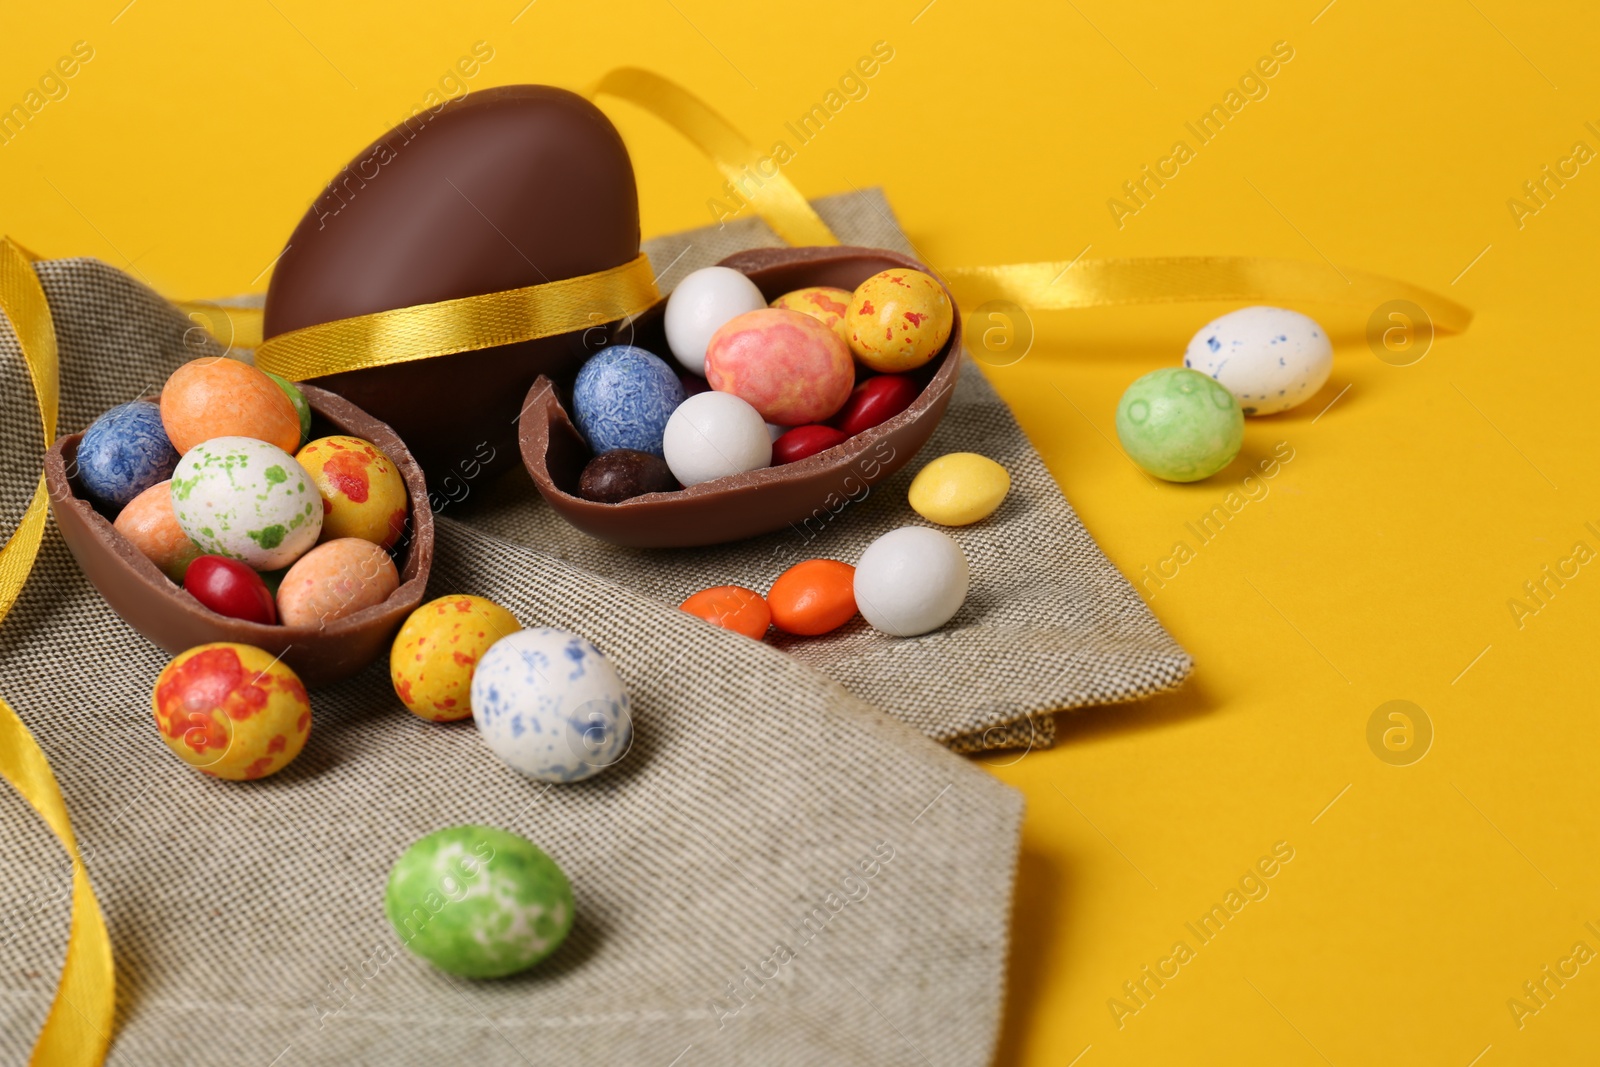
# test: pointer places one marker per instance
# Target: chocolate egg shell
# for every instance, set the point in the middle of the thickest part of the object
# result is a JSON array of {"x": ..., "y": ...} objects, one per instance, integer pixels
[
  {"x": 504, "y": 188},
  {"x": 758, "y": 501},
  {"x": 173, "y": 619}
]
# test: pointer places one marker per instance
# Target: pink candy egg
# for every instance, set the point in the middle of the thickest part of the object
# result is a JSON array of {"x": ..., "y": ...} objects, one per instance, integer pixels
[
  {"x": 790, "y": 367},
  {"x": 335, "y": 579}
]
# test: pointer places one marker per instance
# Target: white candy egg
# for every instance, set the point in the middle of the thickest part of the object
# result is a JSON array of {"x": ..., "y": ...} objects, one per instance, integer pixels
[
  {"x": 712, "y": 435},
  {"x": 700, "y": 304},
  {"x": 246, "y": 499},
  {"x": 911, "y": 580},
  {"x": 551, "y": 705},
  {"x": 1269, "y": 358}
]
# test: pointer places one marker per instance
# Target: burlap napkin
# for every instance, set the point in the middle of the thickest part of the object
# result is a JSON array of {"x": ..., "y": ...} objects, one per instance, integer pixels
[
  {"x": 777, "y": 873},
  {"x": 1049, "y": 625}
]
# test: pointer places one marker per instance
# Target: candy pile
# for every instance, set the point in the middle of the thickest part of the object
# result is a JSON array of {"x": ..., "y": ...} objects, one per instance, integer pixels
[
  {"x": 758, "y": 385},
  {"x": 1186, "y": 423},
  {"x": 217, "y": 486}
]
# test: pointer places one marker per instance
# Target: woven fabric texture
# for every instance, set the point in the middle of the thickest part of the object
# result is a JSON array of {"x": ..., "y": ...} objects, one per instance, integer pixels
[{"x": 726, "y": 913}]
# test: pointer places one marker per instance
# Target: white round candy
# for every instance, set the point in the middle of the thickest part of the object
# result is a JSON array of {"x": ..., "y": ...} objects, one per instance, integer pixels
[
  {"x": 1269, "y": 358},
  {"x": 550, "y": 705},
  {"x": 712, "y": 435},
  {"x": 910, "y": 581},
  {"x": 700, "y": 304}
]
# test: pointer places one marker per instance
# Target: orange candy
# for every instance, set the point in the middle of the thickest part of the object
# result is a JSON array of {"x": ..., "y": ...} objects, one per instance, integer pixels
[
  {"x": 220, "y": 397},
  {"x": 813, "y": 597},
  {"x": 732, "y": 607}
]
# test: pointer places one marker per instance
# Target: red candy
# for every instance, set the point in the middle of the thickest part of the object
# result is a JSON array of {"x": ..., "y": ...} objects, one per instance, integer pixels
[
  {"x": 230, "y": 588},
  {"x": 803, "y": 441},
  {"x": 875, "y": 400}
]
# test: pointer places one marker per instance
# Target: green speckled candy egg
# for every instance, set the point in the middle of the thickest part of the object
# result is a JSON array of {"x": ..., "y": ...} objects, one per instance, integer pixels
[
  {"x": 247, "y": 499},
  {"x": 478, "y": 902},
  {"x": 1179, "y": 424}
]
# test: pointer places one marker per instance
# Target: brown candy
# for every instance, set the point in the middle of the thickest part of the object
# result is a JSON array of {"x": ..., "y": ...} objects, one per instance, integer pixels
[{"x": 623, "y": 473}]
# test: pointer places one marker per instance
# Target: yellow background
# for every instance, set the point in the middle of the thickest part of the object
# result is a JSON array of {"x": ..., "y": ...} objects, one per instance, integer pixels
[{"x": 1379, "y": 566}]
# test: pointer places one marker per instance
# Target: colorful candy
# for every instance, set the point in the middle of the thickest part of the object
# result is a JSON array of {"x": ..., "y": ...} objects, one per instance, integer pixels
[
  {"x": 298, "y": 399},
  {"x": 123, "y": 453},
  {"x": 231, "y": 711},
  {"x": 790, "y": 367},
  {"x": 910, "y": 581},
  {"x": 623, "y": 474},
  {"x": 700, "y": 304},
  {"x": 1269, "y": 358},
  {"x": 478, "y": 902},
  {"x": 959, "y": 489},
  {"x": 714, "y": 435},
  {"x": 803, "y": 441},
  {"x": 362, "y": 492},
  {"x": 149, "y": 524},
  {"x": 899, "y": 320},
  {"x": 551, "y": 706},
  {"x": 822, "y": 302},
  {"x": 335, "y": 579},
  {"x": 623, "y": 398},
  {"x": 813, "y": 597},
  {"x": 220, "y": 397},
  {"x": 876, "y": 400},
  {"x": 731, "y": 607},
  {"x": 229, "y": 588},
  {"x": 435, "y": 653},
  {"x": 1179, "y": 425},
  {"x": 245, "y": 498}
]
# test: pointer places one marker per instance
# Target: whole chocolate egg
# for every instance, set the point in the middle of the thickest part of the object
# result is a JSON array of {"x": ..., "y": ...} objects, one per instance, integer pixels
[{"x": 501, "y": 189}]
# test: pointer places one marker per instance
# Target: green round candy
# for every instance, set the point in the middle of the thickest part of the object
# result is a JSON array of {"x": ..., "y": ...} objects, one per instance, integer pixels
[
  {"x": 298, "y": 399},
  {"x": 1179, "y": 424},
  {"x": 478, "y": 902}
]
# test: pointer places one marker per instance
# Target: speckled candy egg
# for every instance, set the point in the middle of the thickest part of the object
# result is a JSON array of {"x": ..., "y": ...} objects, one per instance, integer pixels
[
  {"x": 124, "y": 452},
  {"x": 550, "y": 705},
  {"x": 244, "y": 498},
  {"x": 898, "y": 320},
  {"x": 362, "y": 492},
  {"x": 1179, "y": 424},
  {"x": 220, "y": 397},
  {"x": 148, "y": 522},
  {"x": 434, "y": 655},
  {"x": 1270, "y": 359},
  {"x": 478, "y": 902},
  {"x": 700, "y": 304},
  {"x": 623, "y": 398},
  {"x": 788, "y": 366},
  {"x": 335, "y": 579},
  {"x": 822, "y": 302},
  {"x": 232, "y": 711}
]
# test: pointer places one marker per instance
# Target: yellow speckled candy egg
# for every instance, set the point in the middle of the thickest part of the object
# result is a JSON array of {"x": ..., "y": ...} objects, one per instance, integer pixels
[
  {"x": 232, "y": 711},
  {"x": 959, "y": 489},
  {"x": 335, "y": 579},
  {"x": 363, "y": 494},
  {"x": 822, "y": 302},
  {"x": 898, "y": 320},
  {"x": 437, "y": 649}
]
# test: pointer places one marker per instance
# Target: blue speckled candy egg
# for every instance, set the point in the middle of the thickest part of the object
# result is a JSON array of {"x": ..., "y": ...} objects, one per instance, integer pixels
[
  {"x": 1270, "y": 359},
  {"x": 550, "y": 705},
  {"x": 124, "y": 452},
  {"x": 246, "y": 499},
  {"x": 623, "y": 398}
]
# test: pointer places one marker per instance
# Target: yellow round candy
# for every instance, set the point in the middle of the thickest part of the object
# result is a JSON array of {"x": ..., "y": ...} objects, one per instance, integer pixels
[
  {"x": 959, "y": 489},
  {"x": 822, "y": 302},
  {"x": 231, "y": 711},
  {"x": 436, "y": 651},
  {"x": 363, "y": 494},
  {"x": 898, "y": 320}
]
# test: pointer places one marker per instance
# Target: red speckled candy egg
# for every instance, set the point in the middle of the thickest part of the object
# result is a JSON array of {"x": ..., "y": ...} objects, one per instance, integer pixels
[
  {"x": 220, "y": 397},
  {"x": 822, "y": 302},
  {"x": 231, "y": 711},
  {"x": 898, "y": 320},
  {"x": 363, "y": 494},
  {"x": 149, "y": 523},
  {"x": 788, "y": 366},
  {"x": 336, "y": 579}
]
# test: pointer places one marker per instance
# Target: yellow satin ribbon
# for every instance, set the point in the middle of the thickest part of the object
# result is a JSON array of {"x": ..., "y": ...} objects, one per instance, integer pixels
[{"x": 78, "y": 1029}]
